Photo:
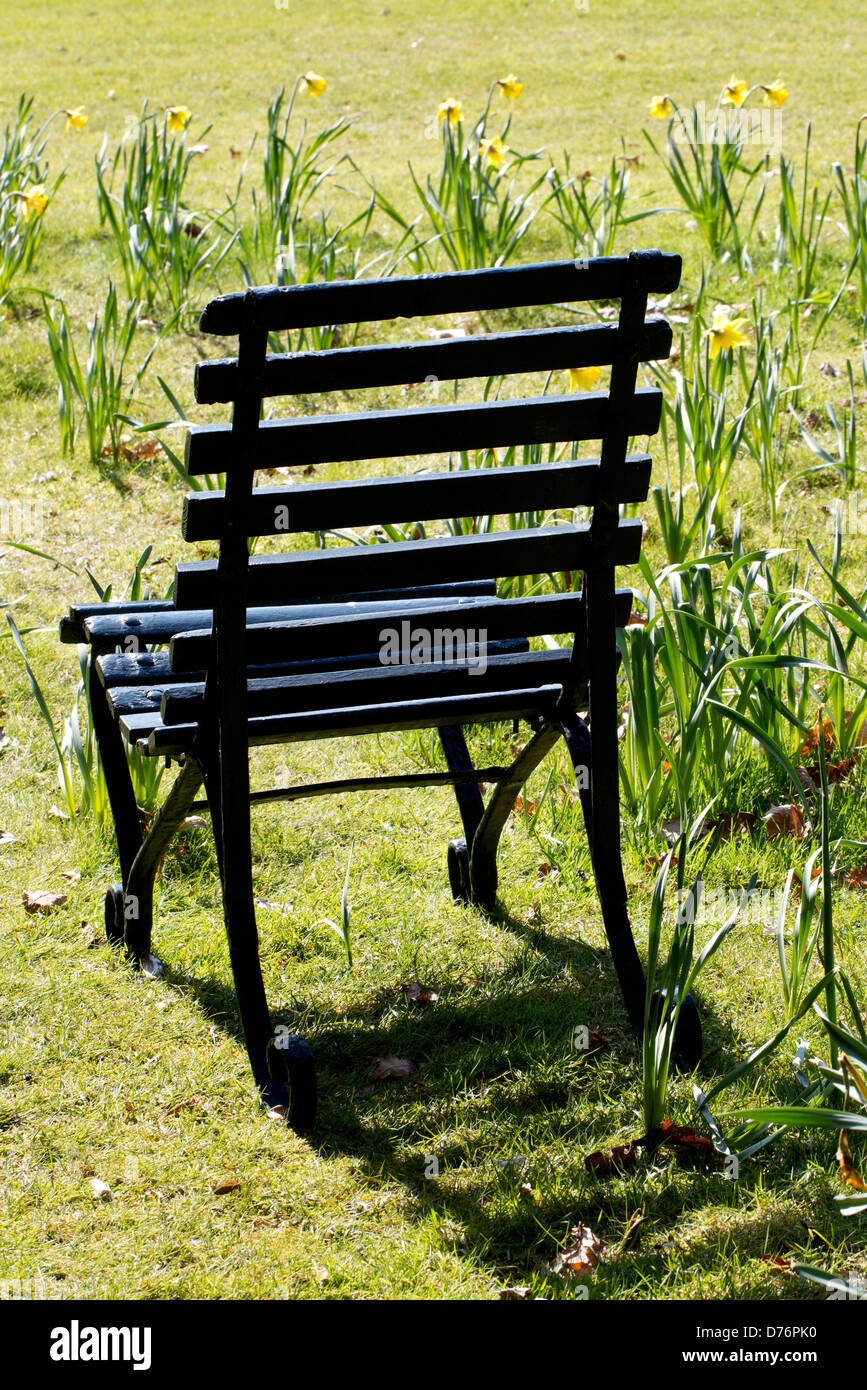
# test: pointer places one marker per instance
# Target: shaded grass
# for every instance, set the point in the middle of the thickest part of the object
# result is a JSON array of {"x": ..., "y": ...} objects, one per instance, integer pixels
[{"x": 146, "y": 1085}]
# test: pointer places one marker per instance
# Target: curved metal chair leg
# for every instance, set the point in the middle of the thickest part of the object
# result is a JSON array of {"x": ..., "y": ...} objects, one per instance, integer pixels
[
  {"x": 138, "y": 890},
  {"x": 285, "y": 1077},
  {"x": 483, "y": 852},
  {"x": 112, "y": 759},
  {"x": 471, "y": 806}
]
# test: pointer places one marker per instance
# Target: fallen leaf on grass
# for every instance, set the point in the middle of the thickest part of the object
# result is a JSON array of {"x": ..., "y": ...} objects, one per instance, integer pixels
[
  {"x": 420, "y": 994},
  {"x": 191, "y": 1103},
  {"x": 99, "y": 1190},
  {"x": 606, "y": 1161},
  {"x": 729, "y": 824},
  {"x": 579, "y": 1257},
  {"x": 678, "y": 1137},
  {"x": 55, "y": 813},
  {"x": 848, "y": 1172},
  {"x": 781, "y": 1263},
  {"x": 386, "y": 1067},
  {"x": 41, "y": 902},
  {"x": 856, "y": 878},
  {"x": 527, "y": 807},
  {"x": 784, "y": 820},
  {"x": 226, "y": 1185},
  {"x": 73, "y": 875},
  {"x": 6, "y": 837}
]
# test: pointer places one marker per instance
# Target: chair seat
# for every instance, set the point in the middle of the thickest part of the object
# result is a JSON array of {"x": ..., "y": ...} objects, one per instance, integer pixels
[{"x": 151, "y": 736}]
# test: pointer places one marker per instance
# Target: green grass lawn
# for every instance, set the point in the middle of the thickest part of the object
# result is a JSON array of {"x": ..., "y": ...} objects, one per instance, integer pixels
[{"x": 145, "y": 1085}]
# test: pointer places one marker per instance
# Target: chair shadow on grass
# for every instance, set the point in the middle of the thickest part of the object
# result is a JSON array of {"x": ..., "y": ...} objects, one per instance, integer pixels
[{"x": 466, "y": 1051}]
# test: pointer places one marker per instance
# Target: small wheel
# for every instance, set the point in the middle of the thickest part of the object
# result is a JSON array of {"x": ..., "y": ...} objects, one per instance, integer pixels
[
  {"x": 291, "y": 1066},
  {"x": 686, "y": 1053},
  {"x": 114, "y": 914},
  {"x": 459, "y": 870}
]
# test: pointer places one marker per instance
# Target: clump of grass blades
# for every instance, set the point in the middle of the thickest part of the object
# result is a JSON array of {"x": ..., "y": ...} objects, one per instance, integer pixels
[
  {"x": 706, "y": 165},
  {"x": 592, "y": 211},
  {"x": 293, "y": 172},
  {"x": 853, "y": 197},
  {"x": 166, "y": 249},
  {"x": 474, "y": 213},
  {"x": 96, "y": 398},
  {"x": 24, "y": 195}
]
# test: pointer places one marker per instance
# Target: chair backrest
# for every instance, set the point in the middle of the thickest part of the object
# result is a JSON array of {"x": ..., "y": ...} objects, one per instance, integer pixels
[{"x": 603, "y": 481}]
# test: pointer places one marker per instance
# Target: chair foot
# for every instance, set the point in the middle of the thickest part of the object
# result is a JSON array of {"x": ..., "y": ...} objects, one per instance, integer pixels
[
  {"x": 459, "y": 870},
  {"x": 293, "y": 1072},
  {"x": 686, "y": 1053},
  {"x": 114, "y": 914}
]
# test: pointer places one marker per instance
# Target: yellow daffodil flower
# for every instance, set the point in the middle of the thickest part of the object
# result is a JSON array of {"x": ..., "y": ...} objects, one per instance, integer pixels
[
  {"x": 510, "y": 86},
  {"x": 776, "y": 94},
  {"x": 583, "y": 378},
  {"x": 177, "y": 118},
  {"x": 734, "y": 92},
  {"x": 450, "y": 111},
  {"x": 35, "y": 200},
  {"x": 661, "y": 107},
  {"x": 724, "y": 333},
  {"x": 313, "y": 84},
  {"x": 76, "y": 119},
  {"x": 493, "y": 152}
]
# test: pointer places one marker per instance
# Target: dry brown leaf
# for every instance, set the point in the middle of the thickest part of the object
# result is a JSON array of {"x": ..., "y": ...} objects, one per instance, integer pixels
[
  {"x": 42, "y": 901},
  {"x": 226, "y": 1185},
  {"x": 606, "y": 1161},
  {"x": 73, "y": 875},
  {"x": 99, "y": 1190},
  {"x": 420, "y": 994},
  {"x": 784, "y": 820},
  {"x": 848, "y": 1172},
  {"x": 386, "y": 1067},
  {"x": 528, "y": 807},
  {"x": 579, "y": 1257}
]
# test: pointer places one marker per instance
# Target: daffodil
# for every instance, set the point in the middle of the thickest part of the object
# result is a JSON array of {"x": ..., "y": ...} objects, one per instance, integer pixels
[
  {"x": 313, "y": 84},
  {"x": 734, "y": 92},
  {"x": 76, "y": 119},
  {"x": 35, "y": 200},
  {"x": 661, "y": 107},
  {"x": 493, "y": 152},
  {"x": 450, "y": 111},
  {"x": 724, "y": 333},
  {"x": 177, "y": 118},
  {"x": 583, "y": 378},
  {"x": 510, "y": 86},
  {"x": 776, "y": 94}
]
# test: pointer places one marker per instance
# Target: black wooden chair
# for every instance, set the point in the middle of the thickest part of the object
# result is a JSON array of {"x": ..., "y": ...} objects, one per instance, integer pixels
[{"x": 279, "y": 648}]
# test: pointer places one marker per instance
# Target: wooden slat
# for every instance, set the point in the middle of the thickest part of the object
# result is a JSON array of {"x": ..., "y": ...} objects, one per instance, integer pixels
[
  {"x": 132, "y": 625},
  {"x": 183, "y": 704},
  {"x": 131, "y": 690},
  {"x": 315, "y": 639},
  {"x": 422, "y": 497},
  {"x": 363, "y": 301},
  {"x": 301, "y": 441},
  {"x": 396, "y": 364},
  {"x": 72, "y": 627},
  {"x": 334, "y": 723},
  {"x": 284, "y": 578}
]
